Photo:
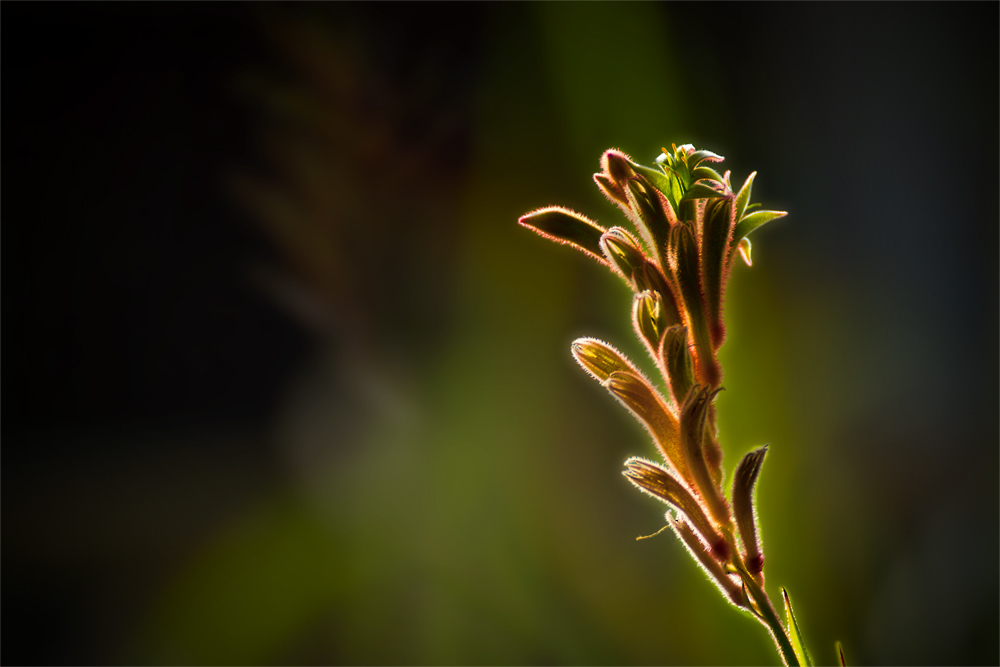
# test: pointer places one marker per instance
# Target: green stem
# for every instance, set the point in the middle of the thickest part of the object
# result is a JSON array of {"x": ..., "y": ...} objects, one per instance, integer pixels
[{"x": 769, "y": 617}]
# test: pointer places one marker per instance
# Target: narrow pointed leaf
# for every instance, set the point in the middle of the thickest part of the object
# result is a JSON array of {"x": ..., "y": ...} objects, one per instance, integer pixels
[
  {"x": 705, "y": 189},
  {"x": 744, "y": 481},
  {"x": 704, "y": 172},
  {"x": 743, "y": 198},
  {"x": 697, "y": 157},
  {"x": 840, "y": 655},
  {"x": 635, "y": 393},
  {"x": 569, "y": 227},
  {"x": 793, "y": 629},
  {"x": 659, "y": 483},
  {"x": 753, "y": 221},
  {"x": 656, "y": 178},
  {"x": 712, "y": 567}
]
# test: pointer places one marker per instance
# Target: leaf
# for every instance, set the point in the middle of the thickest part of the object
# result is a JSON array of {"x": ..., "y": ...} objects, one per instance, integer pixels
[
  {"x": 697, "y": 157},
  {"x": 753, "y": 221},
  {"x": 793, "y": 629},
  {"x": 744, "y": 481},
  {"x": 705, "y": 189},
  {"x": 840, "y": 654},
  {"x": 744, "y": 248},
  {"x": 707, "y": 172},
  {"x": 656, "y": 178},
  {"x": 743, "y": 198},
  {"x": 659, "y": 483},
  {"x": 569, "y": 227}
]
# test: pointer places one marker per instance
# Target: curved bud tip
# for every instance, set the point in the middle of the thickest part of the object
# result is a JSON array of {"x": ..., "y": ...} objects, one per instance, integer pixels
[
  {"x": 617, "y": 165},
  {"x": 599, "y": 359}
]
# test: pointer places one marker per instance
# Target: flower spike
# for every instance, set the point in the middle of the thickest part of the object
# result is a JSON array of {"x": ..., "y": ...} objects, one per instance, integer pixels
[{"x": 690, "y": 226}]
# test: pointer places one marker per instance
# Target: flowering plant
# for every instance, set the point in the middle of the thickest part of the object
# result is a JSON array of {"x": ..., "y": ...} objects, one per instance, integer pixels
[{"x": 691, "y": 226}]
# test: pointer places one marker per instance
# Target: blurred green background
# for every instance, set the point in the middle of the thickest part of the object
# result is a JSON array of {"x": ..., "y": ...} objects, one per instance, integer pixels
[{"x": 287, "y": 384}]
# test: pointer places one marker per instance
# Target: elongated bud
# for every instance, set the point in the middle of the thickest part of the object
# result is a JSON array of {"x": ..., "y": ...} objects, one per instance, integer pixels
[
  {"x": 645, "y": 403},
  {"x": 744, "y": 481},
  {"x": 611, "y": 190},
  {"x": 617, "y": 166},
  {"x": 717, "y": 228},
  {"x": 650, "y": 277},
  {"x": 694, "y": 413},
  {"x": 684, "y": 263},
  {"x": 677, "y": 360},
  {"x": 651, "y": 210},
  {"x": 617, "y": 374},
  {"x": 712, "y": 567},
  {"x": 569, "y": 227},
  {"x": 622, "y": 253},
  {"x": 647, "y": 318},
  {"x": 660, "y": 484},
  {"x": 600, "y": 359}
]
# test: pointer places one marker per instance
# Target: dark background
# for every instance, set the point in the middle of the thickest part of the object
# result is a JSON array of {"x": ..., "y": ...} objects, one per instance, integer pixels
[{"x": 198, "y": 468}]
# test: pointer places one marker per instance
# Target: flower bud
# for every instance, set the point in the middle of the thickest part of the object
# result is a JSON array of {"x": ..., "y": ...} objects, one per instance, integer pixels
[
  {"x": 732, "y": 590},
  {"x": 694, "y": 413},
  {"x": 566, "y": 226},
  {"x": 744, "y": 480},
  {"x": 660, "y": 484}
]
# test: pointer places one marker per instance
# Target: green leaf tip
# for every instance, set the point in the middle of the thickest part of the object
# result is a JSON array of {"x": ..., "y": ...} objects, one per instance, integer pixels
[
  {"x": 796, "y": 636},
  {"x": 569, "y": 227}
]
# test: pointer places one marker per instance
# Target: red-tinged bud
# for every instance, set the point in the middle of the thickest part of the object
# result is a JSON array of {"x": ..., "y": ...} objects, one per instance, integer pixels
[
  {"x": 717, "y": 227},
  {"x": 710, "y": 564},
  {"x": 744, "y": 481},
  {"x": 618, "y": 166},
  {"x": 611, "y": 190}
]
